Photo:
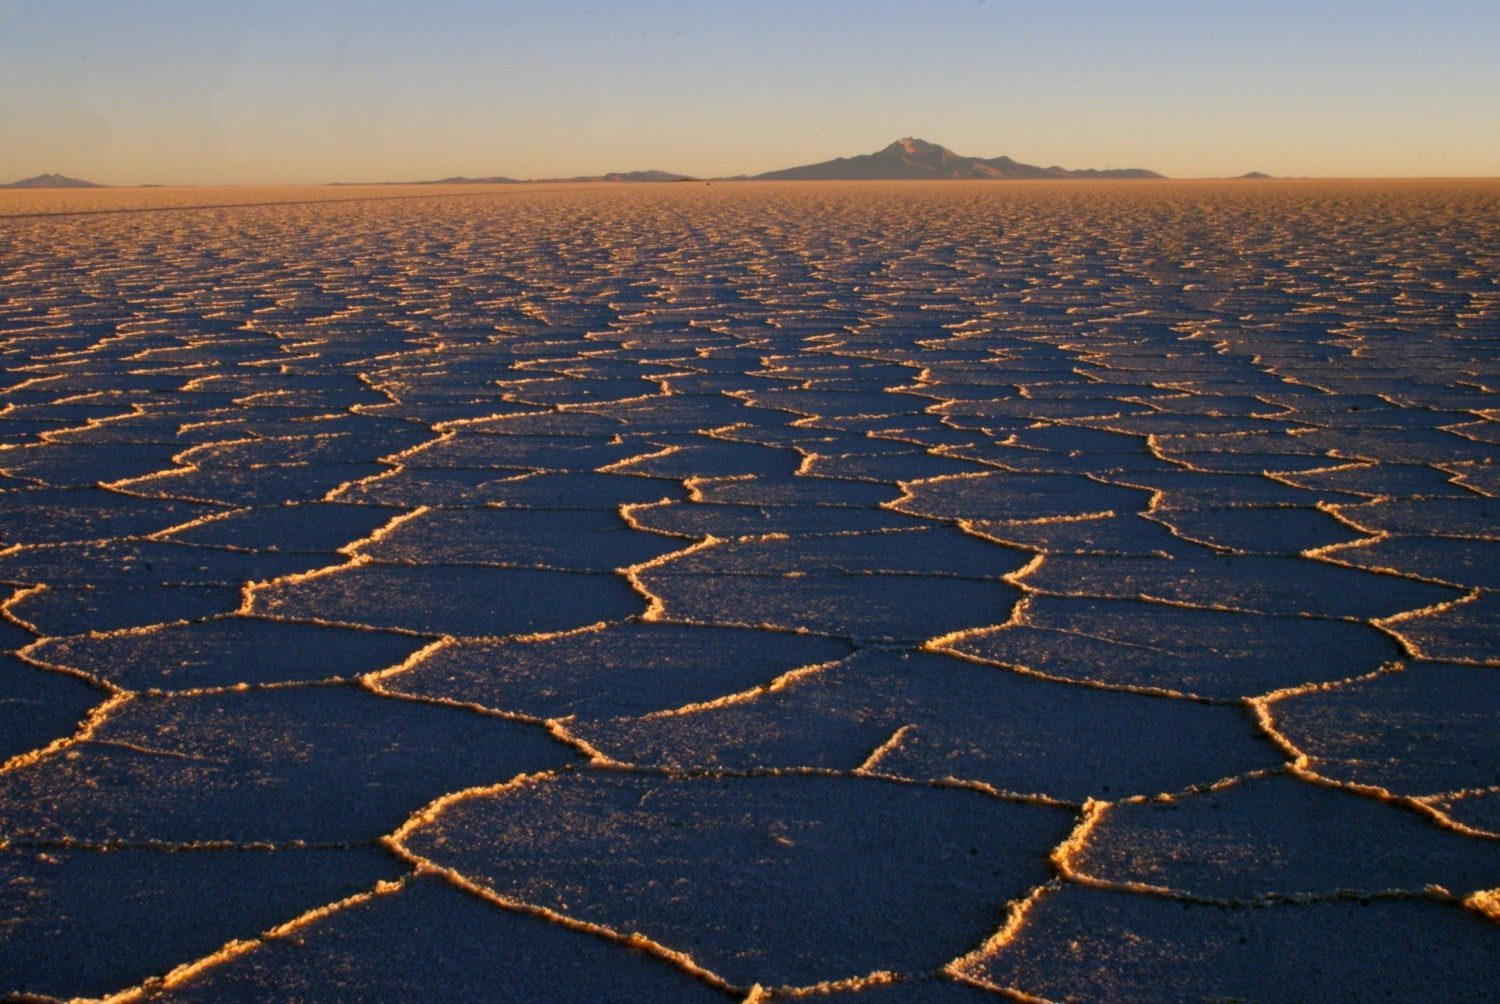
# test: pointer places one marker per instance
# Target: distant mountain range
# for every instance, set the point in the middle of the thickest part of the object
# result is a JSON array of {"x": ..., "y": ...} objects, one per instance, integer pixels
[
  {"x": 907, "y": 159},
  {"x": 629, "y": 176},
  {"x": 910, "y": 159},
  {"x": 51, "y": 181},
  {"x": 611, "y": 176}
]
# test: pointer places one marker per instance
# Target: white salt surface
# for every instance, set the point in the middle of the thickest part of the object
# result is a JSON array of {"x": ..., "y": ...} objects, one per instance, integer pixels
[{"x": 869, "y": 593}]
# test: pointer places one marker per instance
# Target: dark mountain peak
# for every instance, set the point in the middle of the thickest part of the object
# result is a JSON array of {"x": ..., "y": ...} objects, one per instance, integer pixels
[
  {"x": 51, "y": 181},
  {"x": 913, "y": 147},
  {"x": 912, "y": 159}
]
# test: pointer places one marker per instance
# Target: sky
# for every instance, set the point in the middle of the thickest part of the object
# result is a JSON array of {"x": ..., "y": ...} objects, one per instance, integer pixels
[{"x": 253, "y": 92}]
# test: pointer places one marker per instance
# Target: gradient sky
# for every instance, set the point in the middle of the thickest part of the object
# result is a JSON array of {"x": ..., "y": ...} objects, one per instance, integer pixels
[{"x": 205, "y": 92}]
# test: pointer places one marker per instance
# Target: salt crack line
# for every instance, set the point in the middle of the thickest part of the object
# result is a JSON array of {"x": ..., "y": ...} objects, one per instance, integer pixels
[
  {"x": 234, "y": 949},
  {"x": 655, "y": 605},
  {"x": 1300, "y": 764},
  {"x": 423, "y": 865},
  {"x": 85, "y": 731},
  {"x": 1411, "y": 647}
]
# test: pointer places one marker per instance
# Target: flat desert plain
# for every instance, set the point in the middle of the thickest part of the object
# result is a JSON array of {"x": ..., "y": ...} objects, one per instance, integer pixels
[{"x": 843, "y": 592}]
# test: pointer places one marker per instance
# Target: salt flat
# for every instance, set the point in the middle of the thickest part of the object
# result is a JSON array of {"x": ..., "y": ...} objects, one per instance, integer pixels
[{"x": 751, "y": 591}]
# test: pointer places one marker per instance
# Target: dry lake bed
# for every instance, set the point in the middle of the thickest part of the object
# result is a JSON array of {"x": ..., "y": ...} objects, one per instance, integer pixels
[{"x": 885, "y": 592}]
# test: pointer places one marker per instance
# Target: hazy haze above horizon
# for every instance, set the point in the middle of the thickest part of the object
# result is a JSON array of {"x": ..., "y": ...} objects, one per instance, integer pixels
[{"x": 204, "y": 93}]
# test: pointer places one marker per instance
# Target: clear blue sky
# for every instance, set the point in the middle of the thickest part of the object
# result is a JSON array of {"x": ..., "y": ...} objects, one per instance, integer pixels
[{"x": 205, "y": 92}]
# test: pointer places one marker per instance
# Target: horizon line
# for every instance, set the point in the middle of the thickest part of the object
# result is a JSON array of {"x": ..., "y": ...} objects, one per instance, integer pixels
[{"x": 501, "y": 181}]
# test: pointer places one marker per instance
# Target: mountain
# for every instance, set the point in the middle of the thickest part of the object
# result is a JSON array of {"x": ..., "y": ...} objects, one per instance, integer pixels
[
  {"x": 611, "y": 176},
  {"x": 51, "y": 181},
  {"x": 915, "y": 159},
  {"x": 496, "y": 180},
  {"x": 628, "y": 176},
  {"x": 905, "y": 159},
  {"x": 1254, "y": 176}
]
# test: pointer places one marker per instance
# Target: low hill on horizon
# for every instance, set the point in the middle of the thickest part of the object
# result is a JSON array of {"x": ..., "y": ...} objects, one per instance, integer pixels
[
  {"x": 502, "y": 180},
  {"x": 462, "y": 180},
  {"x": 652, "y": 175},
  {"x": 53, "y": 181},
  {"x": 911, "y": 159}
]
